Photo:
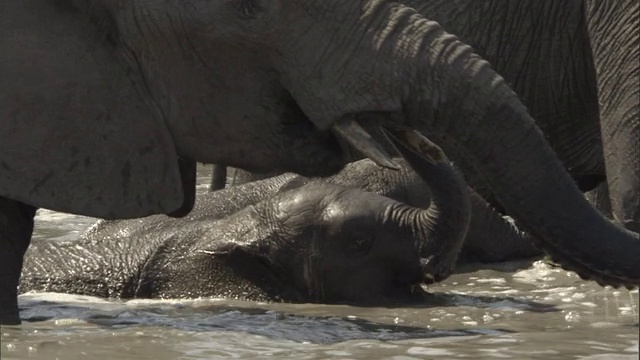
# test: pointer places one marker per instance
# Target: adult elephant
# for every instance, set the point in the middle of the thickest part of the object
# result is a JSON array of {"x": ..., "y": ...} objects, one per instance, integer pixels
[
  {"x": 105, "y": 97},
  {"x": 615, "y": 36},
  {"x": 553, "y": 76},
  {"x": 552, "y": 69},
  {"x": 548, "y": 62}
]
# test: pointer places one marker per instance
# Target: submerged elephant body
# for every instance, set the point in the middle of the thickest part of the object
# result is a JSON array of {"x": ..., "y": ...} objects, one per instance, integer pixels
[
  {"x": 105, "y": 98},
  {"x": 161, "y": 257},
  {"x": 307, "y": 241},
  {"x": 490, "y": 237}
]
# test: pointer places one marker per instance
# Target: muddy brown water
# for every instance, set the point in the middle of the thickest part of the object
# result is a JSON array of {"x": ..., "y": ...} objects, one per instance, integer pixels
[{"x": 519, "y": 310}]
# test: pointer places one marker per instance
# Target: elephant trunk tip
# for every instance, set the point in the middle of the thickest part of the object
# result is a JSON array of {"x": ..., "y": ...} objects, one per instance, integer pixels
[{"x": 602, "y": 276}]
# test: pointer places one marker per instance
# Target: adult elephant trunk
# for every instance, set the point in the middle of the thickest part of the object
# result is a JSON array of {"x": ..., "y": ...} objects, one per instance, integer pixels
[
  {"x": 491, "y": 238},
  {"x": 442, "y": 227},
  {"x": 353, "y": 57}
]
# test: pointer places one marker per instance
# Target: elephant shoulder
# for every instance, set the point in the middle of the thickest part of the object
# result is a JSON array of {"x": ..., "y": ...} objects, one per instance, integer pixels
[{"x": 77, "y": 133}]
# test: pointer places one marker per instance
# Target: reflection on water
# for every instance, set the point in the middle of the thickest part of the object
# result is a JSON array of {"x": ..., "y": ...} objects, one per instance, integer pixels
[{"x": 515, "y": 310}]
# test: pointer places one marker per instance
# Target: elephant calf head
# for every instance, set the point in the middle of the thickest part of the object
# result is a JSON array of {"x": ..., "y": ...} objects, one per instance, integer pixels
[{"x": 334, "y": 244}]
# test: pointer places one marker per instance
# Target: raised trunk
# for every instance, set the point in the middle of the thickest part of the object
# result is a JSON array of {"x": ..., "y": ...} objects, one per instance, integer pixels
[
  {"x": 491, "y": 238},
  {"x": 442, "y": 226}
]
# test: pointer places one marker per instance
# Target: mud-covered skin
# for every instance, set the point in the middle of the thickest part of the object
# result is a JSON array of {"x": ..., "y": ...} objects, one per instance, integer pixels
[{"x": 310, "y": 241}]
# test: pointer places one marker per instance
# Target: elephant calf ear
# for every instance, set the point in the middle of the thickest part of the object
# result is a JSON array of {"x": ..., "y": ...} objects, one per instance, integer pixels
[{"x": 75, "y": 135}]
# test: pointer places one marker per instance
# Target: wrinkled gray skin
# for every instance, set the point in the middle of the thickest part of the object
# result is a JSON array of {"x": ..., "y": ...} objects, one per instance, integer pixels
[
  {"x": 105, "y": 97},
  {"x": 615, "y": 32},
  {"x": 490, "y": 238},
  {"x": 547, "y": 59},
  {"x": 550, "y": 64},
  {"x": 316, "y": 242},
  {"x": 535, "y": 62},
  {"x": 542, "y": 71}
]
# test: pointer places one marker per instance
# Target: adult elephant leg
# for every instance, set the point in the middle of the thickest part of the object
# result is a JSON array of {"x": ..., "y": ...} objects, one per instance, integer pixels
[
  {"x": 218, "y": 177},
  {"x": 622, "y": 158},
  {"x": 225, "y": 175},
  {"x": 615, "y": 37},
  {"x": 599, "y": 197},
  {"x": 16, "y": 227}
]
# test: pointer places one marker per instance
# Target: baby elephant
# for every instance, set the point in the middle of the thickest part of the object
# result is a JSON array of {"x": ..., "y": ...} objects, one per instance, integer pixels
[{"x": 317, "y": 242}]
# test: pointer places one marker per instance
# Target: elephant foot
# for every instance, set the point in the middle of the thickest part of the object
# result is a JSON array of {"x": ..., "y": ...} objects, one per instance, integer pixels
[
  {"x": 9, "y": 301},
  {"x": 16, "y": 227}
]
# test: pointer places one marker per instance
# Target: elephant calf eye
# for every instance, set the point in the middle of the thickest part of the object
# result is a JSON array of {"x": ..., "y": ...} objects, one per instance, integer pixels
[{"x": 359, "y": 242}]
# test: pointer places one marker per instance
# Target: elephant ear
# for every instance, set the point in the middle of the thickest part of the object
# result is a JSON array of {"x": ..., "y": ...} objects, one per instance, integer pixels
[{"x": 75, "y": 134}]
